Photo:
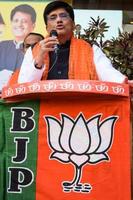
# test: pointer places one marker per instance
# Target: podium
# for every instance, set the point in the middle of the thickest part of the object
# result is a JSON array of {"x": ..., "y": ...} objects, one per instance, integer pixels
[{"x": 66, "y": 139}]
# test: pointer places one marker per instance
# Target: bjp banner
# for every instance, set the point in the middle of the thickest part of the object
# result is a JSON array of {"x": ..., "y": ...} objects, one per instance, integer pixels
[{"x": 65, "y": 140}]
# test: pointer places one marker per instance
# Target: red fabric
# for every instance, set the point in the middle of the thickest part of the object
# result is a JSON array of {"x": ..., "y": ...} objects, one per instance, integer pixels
[{"x": 109, "y": 180}]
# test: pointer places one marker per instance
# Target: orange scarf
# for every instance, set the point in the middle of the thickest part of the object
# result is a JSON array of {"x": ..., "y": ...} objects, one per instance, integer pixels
[{"x": 81, "y": 64}]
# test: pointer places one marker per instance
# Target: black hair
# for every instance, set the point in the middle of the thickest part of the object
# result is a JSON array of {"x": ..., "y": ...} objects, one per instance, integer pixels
[
  {"x": 33, "y": 33},
  {"x": 55, "y": 5},
  {"x": 32, "y": 45},
  {"x": 25, "y": 8}
]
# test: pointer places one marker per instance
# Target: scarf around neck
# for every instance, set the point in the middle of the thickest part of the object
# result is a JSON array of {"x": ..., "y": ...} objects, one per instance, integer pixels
[{"x": 81, "y": 64}]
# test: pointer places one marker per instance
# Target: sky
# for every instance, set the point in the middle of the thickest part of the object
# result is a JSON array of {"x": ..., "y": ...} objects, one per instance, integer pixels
[{"x": 112, "y": 18}]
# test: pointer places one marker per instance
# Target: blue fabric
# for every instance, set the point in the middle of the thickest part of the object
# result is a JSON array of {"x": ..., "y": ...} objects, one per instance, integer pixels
[{"x": 10, "y": 57}]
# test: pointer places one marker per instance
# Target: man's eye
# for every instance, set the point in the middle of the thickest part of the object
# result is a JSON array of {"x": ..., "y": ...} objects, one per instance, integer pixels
[
  {"x": 24, "y": 21},
  {"x": 63, "y": 15},
  {"x": 52, "y": 17}
]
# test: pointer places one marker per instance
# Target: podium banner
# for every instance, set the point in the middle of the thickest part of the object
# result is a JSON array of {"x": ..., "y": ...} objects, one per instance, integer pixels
[{"x": 67, "y": 146}]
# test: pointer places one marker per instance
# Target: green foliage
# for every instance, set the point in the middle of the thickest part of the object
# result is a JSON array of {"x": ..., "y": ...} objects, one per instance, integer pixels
[
  {"x": 94, "y": 34},
  {"x": 119, "y": 50}
]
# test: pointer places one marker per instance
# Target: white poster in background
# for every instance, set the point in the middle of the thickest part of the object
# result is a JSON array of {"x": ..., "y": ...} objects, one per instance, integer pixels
[{"x": 112, "y": 18}]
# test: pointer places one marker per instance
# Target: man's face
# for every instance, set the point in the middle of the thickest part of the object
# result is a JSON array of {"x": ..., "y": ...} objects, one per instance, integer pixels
[
  {"x": 21, "y": 25},
  {"x": 30, "y": 41},
  {"x": 60, "y": 21}
]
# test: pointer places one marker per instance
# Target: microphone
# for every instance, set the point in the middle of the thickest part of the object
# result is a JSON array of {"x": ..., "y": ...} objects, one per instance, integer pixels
[{"x": 54, "y": 33}]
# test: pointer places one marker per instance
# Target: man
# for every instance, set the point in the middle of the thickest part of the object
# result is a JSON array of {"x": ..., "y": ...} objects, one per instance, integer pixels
[
  {"x": 23, "y": 19},
  {"x": 74, "y": 59},
  {"x": 31, "y": 40}
]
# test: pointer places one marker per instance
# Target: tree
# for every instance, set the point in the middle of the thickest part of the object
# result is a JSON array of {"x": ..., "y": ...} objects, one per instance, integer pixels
[{"x": 119, "y": 50}]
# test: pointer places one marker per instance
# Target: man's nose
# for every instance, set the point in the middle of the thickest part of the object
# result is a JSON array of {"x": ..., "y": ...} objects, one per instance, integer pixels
[
  {"x": 59, "y": 18},
  {"x": 20, "y": 23}
]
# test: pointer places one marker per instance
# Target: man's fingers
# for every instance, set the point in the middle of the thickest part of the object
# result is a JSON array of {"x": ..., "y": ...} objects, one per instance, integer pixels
[{"x": 48, "y": 43}]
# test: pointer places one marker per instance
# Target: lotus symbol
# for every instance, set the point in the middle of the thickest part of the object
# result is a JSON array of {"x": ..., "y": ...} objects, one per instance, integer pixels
[{"x": 80, "y": 142}]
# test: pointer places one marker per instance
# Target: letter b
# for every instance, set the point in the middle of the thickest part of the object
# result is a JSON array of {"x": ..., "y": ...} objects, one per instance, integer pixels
[{"x": 22, "y": 119}]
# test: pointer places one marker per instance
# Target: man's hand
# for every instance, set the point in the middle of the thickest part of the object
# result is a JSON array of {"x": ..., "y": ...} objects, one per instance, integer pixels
[{"x": 46, "y": 46}]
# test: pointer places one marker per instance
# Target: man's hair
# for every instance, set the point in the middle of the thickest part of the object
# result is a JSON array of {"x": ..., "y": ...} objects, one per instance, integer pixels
[
  {"x": 24, "y": 8},
  {"x": 33, "y": 33},
  {"x": 55, "y": 5}
]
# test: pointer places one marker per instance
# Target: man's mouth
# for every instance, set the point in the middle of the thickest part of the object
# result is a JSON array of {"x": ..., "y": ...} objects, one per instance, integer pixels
[
  {"x": 59, "y": 27},
  {"x": 19, "y": 29}
]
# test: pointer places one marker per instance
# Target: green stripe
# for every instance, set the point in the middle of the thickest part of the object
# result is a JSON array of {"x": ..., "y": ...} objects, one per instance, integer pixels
[
  {"x": 2, "y": 159},
  {"x": 28, "y": 193}
]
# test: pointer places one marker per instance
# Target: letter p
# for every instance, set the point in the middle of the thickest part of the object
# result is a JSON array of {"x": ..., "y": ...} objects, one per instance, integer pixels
[{"x": 19, "y": 178}]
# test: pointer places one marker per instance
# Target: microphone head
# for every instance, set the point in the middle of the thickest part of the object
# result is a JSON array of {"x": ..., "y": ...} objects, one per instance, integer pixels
[{"x": 53, "y": 33}]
